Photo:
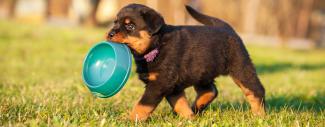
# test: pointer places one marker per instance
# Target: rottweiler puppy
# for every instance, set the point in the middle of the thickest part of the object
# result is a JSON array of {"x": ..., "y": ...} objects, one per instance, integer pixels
[{"x": 171, "y": 58}]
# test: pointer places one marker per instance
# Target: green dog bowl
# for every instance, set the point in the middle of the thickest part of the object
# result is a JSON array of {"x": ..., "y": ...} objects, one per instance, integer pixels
[{"x": 106, "y": 68}]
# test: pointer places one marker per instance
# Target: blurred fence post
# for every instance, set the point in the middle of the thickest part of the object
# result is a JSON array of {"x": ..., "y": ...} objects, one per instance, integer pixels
[
  {"x": 91, "y": 20},
  {"x": 153, "y": 4},
  {"x": 30, "y": 10},
  {"x": 304, "y": 17},
  {"x": 179, "y": 12},
  {"x": 58, "y": 10},
  {"x": 12, "y": 8},
  {"x": 8, "y": 8},
  {"x": 250, "y": 16}
]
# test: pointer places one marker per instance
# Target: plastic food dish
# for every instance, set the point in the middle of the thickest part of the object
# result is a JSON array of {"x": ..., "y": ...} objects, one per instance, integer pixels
[{"x": 106, "y": 68}]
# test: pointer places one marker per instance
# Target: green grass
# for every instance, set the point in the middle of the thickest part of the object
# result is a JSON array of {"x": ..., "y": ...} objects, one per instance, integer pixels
[{"x": 40, "y": 85}]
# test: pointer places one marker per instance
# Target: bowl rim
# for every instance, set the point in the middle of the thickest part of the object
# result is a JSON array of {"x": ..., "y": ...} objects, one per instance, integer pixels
[
  {"x": 83, "y": 74},
  {"x": 125, "y": 77}
]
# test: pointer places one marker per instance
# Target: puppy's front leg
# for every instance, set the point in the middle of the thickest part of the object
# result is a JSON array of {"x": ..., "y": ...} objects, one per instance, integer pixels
[
  {"x": 147, "y": 104},
  {"x": 180, "y": 104}
]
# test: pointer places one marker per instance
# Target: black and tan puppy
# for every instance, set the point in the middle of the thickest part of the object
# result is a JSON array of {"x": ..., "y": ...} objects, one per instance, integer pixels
[{"x": 172, "y": 58}]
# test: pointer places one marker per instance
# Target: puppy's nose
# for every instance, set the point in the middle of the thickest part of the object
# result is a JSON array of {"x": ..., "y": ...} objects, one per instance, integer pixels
[{"x": 111, "y": 34}]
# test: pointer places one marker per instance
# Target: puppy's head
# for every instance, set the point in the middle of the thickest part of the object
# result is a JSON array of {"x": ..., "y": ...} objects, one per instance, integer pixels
[{"x": 134, "y": 26}]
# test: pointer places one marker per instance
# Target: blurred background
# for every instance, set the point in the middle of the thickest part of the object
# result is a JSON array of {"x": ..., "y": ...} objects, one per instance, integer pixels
[
  {"x": 43, "y": 44},
  {"x": 293, "y": 23}
]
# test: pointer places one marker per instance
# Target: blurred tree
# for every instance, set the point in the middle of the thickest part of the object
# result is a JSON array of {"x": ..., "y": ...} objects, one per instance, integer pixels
[
  {"x": 12, "y": 7},
  {"x": 316, "y": 29},
  {"x": 9, "y": 7},
  {"x": 285, "y": 16},
  {"x": 91, "y": 20},
  {"x": 58, "y": 8},
  {"x": 303, "y": 18},
  {"x": 179, "y": 14},
  {"x": 153, "y": 4},
  {"x": 250, "y": 13},
  {"x": 293, "y": 18},
  {"x": 122, "y": 3}
]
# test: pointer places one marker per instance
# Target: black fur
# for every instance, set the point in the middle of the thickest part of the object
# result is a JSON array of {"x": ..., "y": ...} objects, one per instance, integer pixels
[{"x": 194, "y": 55}]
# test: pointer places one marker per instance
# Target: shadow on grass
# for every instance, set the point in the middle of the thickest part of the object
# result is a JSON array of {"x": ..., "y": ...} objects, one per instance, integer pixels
[
  {"x": 298, "y": 103},
  {"x": 278, "y": 67}
]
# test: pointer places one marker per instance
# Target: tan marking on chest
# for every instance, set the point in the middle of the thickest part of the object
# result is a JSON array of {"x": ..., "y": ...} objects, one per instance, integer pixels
[
  {"x": 139, "y": 44},
  {"x": 153, "y": 76}
]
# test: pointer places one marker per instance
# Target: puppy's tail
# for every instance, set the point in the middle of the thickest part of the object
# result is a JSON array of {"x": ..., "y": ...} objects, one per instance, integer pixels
[{"x": 207, "y": 20}]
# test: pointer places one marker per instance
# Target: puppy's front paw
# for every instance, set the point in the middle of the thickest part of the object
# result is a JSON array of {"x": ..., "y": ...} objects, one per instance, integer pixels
[
  {"x": 259, "y": 112},
  {"x": 189, "y": 116},
  {"x": 136, "y": 116},
  {"x": 185, "y": 112},
  {"x": 141, "y": 112}
]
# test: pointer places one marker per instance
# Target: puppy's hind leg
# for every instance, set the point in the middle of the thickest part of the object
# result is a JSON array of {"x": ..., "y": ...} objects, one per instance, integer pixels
[
  {"x": 246, "y": 78},
  {"x": 206, "y": 92},
  {"x": 243, "y": 72}
]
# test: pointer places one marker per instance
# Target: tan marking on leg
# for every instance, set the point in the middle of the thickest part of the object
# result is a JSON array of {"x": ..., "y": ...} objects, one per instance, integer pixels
[
  {"x": 183, "y": 109},
  {"x": 256, "y": 103},
  {"x": 204, "y": 99},
  {"x": 181, "y": 106},
  {"x": 152, "y": 76},
  {"x": 141, "y": 112}
]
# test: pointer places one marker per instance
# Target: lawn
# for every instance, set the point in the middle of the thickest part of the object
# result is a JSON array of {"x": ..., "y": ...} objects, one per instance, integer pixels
[{"x": 41, "y": 84}]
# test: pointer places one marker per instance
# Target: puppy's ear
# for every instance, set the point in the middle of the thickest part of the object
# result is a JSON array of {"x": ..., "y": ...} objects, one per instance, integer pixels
[{"x": 153, "y": 20}]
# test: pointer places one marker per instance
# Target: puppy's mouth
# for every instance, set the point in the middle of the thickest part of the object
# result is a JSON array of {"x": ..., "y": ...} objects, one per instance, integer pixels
[
  {"x": 118, "y": 38},
  {"x": 138, "y": 44},
  {"x": 121, "y": 42}
]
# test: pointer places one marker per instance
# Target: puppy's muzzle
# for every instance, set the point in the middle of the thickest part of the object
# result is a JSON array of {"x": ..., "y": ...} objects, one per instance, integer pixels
[{"x": 111, "y": 34}]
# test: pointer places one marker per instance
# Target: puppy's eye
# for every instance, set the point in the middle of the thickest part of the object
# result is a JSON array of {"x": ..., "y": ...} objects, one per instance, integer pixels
[{"x": 130, "y": 26}]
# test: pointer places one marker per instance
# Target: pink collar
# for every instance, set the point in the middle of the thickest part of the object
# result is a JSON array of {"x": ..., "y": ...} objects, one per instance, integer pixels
[{"x": 151, "y": 55}]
